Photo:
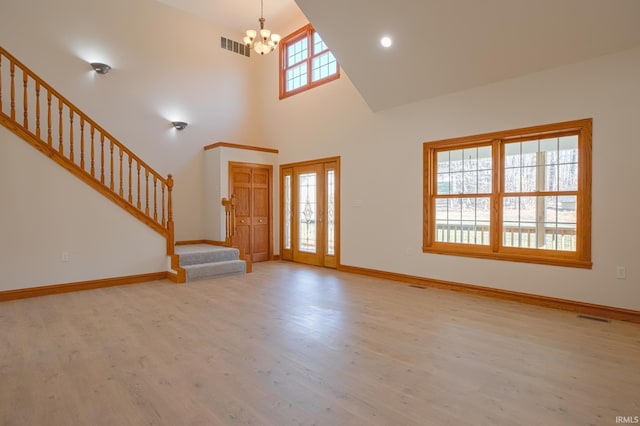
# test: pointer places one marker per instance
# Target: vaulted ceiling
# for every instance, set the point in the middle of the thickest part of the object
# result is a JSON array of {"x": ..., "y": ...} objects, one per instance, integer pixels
[
  {"x": 444, "y": 46},
  {"x": 237, "y": 15}
]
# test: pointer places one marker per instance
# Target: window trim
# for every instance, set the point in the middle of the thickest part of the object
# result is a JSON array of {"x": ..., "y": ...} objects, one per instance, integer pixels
[
  {"x": 306, "y": 31},
  {"x": 581, "y": 258}
]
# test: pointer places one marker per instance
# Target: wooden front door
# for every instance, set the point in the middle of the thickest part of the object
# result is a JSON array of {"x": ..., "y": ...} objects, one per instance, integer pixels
[
  {"x": 251, "y": 185},
  {"x": 310, "y": 212}
]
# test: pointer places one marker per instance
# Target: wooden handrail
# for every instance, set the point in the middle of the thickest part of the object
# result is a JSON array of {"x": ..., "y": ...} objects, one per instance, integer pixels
[{"x": 102, "y": 165}]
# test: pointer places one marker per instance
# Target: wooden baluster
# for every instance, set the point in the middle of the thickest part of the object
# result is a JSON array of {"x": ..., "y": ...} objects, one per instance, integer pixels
[
  {"x": 164, "y": 223},
  {"x": 130, "y": 192},
  {"x": 71, "y": 153},
  {"x": 102, "y": 158},
  {"x": 93, "y": 151},
  {"x": 227, "y": 220},
  {"x": 38, "y": 109},
  {"x": 111, "y": 166},
  {"x": 225, "y": 203},
  {"x": 146, "y": 190},
  {"x": 25, "y": 102},
  {"x": 13, "y": 90},
  {"x": 233, "y": 218},
  {"x": 120, "y": 191},
  {"x": 0, "y": 82},
  {"x": 155, "y": 198},
  {"x": 60, "y": 128},
  {"x": 49, "y": 131},
  {"x": 139, "y": 204},
  {"x": 82, "y": 142},
  {"x": 228, "y": 226},
  {"x": 170, "y": 225}
]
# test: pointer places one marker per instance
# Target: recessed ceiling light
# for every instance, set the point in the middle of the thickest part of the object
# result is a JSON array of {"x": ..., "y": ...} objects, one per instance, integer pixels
[{"x": 386, "y": 41}]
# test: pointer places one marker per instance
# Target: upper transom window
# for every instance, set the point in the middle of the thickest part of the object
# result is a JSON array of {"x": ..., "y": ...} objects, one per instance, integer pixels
[{"x": 305, "y": 62}]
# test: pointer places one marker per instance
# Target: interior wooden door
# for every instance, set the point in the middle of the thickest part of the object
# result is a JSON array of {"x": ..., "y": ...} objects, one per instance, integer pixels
[
  {"x": 251, "y": 185},
  {"x": 260, "y": 208},
  {"x": 310, "y": 212},
  {"x": 240, "y": 186}
]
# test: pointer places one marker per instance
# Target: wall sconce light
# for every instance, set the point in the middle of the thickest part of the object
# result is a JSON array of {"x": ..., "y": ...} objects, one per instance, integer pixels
[
  {"x": 100, "y": 68},
  {"x": 179, "y": 125}
]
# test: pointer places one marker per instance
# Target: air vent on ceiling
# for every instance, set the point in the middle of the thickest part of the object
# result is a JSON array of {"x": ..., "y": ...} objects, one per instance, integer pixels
[{"x": 234, "y": 46}]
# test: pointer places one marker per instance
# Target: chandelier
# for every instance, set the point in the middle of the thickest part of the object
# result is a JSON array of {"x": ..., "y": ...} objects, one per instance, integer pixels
[{"x": 262, "y": 41}]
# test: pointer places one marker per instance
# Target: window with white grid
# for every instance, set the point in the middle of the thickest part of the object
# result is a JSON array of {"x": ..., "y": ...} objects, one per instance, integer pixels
[
  {"x": 305, "y": 62},
  {"x": 521, "y": 195}
]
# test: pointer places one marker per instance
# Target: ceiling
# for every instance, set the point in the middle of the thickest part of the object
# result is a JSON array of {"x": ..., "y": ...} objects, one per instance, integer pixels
[
  {"x": 235, "y": 15},
  {"x": 445, "y": 46}
]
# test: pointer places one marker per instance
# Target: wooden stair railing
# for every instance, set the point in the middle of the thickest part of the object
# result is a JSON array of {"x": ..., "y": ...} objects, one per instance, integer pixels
[
  {"x": 230, "y": 229},
  {"x": 40, "y": 115}
]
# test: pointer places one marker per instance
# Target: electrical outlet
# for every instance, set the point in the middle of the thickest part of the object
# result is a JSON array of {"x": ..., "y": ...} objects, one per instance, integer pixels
[
  {"x": 621, "y": 272},
  {"x": 66, "y": 257}
]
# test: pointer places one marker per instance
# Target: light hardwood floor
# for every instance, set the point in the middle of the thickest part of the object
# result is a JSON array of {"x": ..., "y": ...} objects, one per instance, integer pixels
[{"x": 296, "y": 345}]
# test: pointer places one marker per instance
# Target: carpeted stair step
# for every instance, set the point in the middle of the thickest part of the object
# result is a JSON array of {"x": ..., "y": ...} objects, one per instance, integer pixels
[
  {"x": 202, "y": 261},
  {"x": 214, "y": 269},
  {"x": 195, "y": 255}
]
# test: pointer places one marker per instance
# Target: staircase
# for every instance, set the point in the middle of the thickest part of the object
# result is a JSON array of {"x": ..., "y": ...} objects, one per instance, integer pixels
[
  {"x": 37, "y": 113},
  {"x": 202, "y": 261},
  {"x": 41, "y": 116}
]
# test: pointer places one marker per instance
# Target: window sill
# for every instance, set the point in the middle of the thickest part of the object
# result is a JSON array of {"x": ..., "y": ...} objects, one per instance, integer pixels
[{"x": 570, "y": 262}]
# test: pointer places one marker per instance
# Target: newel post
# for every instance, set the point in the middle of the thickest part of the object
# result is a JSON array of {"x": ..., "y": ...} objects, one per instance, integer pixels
[
  {"x": 230, "y": 219},
  {"x": 170, "y": 225}
]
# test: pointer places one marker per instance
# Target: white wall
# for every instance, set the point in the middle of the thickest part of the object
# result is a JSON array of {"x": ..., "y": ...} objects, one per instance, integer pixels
[
  {"x": 381, "y": 176},
  {"x": 45, "y": 211},
  {"x": 213, "y": 218}
]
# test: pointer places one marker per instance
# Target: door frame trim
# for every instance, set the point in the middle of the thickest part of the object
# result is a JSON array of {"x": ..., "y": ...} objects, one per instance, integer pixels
[{"x": 230, "y": 165}]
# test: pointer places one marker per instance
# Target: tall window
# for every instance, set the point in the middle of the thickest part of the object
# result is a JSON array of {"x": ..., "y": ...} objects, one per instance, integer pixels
[
  {"x": 522, "y": 195},
  {"x": 305, "y": 62}
]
